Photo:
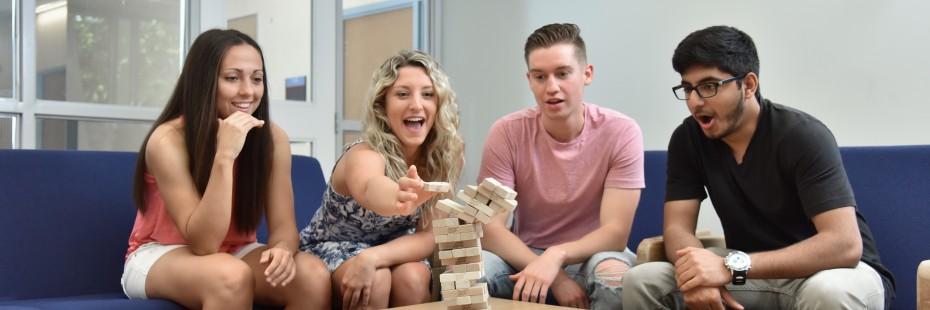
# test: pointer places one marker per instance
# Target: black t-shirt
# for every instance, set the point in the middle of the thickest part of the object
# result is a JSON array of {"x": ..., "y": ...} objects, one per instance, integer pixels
[{"x": 791, "y": 171}]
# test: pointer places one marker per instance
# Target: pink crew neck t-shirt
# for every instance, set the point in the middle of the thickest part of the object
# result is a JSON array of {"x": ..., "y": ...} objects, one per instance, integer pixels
[
  {"x": 560, "y": 185},
  {"x": 157, "y": 226}
]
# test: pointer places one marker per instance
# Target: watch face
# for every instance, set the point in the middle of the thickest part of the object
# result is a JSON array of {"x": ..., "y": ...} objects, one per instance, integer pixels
[{"x": 738, "y": 261}]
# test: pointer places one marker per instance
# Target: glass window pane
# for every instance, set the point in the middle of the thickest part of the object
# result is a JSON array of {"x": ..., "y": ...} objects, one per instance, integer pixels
[
  {"x": 7, "y": 130},
  {"x": 6, "y": 45},
  {"x": 112, "y": 52},
  {"x": 100, "y": 135}
]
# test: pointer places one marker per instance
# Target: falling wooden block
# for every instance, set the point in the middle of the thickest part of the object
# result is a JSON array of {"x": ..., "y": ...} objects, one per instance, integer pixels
[{"x": 439, "y": 187}]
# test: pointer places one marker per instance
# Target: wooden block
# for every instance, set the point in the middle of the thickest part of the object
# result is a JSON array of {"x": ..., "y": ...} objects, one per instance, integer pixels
[
  {"x": 486, "y": 192},
  {"x": 505, "y": 204},
  {"x": 439, "y": 187},
  {"x": 455, "y": 209},
  {"x": 446, "y": 222},
  {"x": 484, "y": 199},
  {"x": 473, "y": 235},
  {"x": 472, "y": 251},
  {"x": 484, "y": 217},
  {"x": 468, "y": 209},
  {"x": 445, "y": 254},
  {"x": 477, "y": 306},
  {"x": 460, "y": 260},
  {"x": 467, "y": 267},
  {"x": 505, "y": 192},
  {"x": 449, "y": 245},
  {"x": 476, "y": 290},
  {"x": 464, "y": 283},
  {"x": 482, "y": 206},
  {"x": 459, "y": 276},
  {"x": 490, "y": 183},
  {"x": 471, "y": 190},
  {"x": 454, "y": 229},
  {"x": 463, "y": 196},
  {"x": 447, "y": 285}
]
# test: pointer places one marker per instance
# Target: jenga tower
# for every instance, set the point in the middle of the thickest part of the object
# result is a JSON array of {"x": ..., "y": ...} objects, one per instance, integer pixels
[{"x": 458, "y": 240}]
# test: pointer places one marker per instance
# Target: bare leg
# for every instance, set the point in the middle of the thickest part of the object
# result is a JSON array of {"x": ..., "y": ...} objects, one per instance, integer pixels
[
  {"x": 216, "y": 281},
  {"x": 410, "y": 284},
  {"x": 310, "y": 288}
]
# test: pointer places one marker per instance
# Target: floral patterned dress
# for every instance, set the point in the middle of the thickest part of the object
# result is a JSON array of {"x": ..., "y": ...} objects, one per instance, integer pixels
[{"x": 341, "y": 228}]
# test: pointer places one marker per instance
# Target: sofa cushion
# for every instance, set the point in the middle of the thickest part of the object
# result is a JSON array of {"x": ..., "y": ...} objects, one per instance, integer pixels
[{"x": 66, "y": 219}]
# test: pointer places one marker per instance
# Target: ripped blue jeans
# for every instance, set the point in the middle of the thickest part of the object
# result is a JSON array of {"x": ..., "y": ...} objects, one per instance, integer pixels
[{"x": 603, "y": 287}]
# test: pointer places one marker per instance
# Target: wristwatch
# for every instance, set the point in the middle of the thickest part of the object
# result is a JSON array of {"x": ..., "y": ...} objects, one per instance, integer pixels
[{"x": 739, "y": 264}]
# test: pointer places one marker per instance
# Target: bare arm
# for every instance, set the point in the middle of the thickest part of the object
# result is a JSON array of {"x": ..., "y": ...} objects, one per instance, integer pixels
[
  {"x": 282, "y": 230},
  {"x": 505, "y": 244},
  {"x": 410, "y": 248},
  {"x": 618, "y": 206},
  {"x": 361, "y": 173},
  {"x": 679, "y": 225},
  {"x": 202, "y": 221},
  {"x": 837, "y": 244}
]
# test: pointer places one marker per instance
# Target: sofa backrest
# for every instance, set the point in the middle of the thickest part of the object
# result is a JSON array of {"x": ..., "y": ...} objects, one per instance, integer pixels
[
  {"x": 892, "y": 188},
  {"x": 65, "y": 218},
  {"x": 648, "y": 219}
]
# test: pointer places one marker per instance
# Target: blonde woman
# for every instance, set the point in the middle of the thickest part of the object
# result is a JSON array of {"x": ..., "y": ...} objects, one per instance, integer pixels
[{"x": 373, "y": 230}]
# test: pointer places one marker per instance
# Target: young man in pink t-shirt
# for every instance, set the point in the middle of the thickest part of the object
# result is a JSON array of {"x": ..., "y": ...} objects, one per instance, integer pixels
[{"x": 578, "y": 172}]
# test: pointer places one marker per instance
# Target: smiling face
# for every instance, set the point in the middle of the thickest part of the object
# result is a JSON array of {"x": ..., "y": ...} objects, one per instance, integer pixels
[
  {"x": 240, "y": 85},
  {"x": 724, "y": 113},
  {"x": 557, "y": 79},
  {"x": 410, "y": 105}
]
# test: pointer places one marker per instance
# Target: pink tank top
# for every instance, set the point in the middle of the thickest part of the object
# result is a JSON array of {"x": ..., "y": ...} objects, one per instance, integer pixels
[{"x": 157, "y": 226}]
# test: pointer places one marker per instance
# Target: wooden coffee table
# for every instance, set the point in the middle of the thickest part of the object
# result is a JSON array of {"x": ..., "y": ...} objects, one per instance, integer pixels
[{"x": 494, "y": 303}]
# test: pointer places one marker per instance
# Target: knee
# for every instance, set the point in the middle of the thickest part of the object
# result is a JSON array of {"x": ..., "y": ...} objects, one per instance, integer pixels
[
  {"x": 410, "y": 278},
  {"x": 233, "y": 279},
  {"x": 610, "y": 272},
  {"x": 647, "y": 272},
  {"x": 824, "y": 293},
  {"x": 312, "y": 274}
]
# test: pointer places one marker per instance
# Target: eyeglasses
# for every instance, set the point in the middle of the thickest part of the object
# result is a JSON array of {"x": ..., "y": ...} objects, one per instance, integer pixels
[{"x": 704, "y": 90}]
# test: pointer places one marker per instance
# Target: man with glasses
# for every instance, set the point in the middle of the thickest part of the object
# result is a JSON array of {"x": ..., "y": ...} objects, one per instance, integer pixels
[{"x": 776, "y": 180}]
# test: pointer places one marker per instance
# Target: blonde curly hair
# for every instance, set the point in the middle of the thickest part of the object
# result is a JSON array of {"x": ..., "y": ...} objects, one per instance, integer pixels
[{"x": 441, "y": 155}]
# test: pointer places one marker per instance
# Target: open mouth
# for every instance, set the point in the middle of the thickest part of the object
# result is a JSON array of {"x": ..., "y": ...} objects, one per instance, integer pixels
[
  {"x": 554, "y": 101},
  {"x": 706, "y": 121},
  {"x": 414, "y": 123},
  {"x": 242, "y": 105}
]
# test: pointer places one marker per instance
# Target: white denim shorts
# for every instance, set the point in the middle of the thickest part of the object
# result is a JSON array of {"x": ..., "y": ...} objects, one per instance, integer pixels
[{"x": 137, "y": 266}]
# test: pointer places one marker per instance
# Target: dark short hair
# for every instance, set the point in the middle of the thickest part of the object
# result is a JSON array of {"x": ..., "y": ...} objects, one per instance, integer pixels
[
  {"x": 723, "y": 47},
  {"x": 552, "y": 34}
]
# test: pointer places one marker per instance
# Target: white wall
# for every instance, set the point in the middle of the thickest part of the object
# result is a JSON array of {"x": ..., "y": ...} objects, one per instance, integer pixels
[{"x": 859, "y": 66}]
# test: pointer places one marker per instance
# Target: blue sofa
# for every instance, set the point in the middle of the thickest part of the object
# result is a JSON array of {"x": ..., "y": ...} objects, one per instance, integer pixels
[
  {"x": 65, "y": 218},
  {"x": 892, "y": 188}
]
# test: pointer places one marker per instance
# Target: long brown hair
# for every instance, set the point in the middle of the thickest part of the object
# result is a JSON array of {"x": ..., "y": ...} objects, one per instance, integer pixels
[{"x": 194, "y": 98}]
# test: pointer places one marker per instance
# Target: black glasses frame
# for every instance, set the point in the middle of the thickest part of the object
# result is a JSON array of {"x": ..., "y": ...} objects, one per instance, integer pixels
[{"x": 686, "y": 89}]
